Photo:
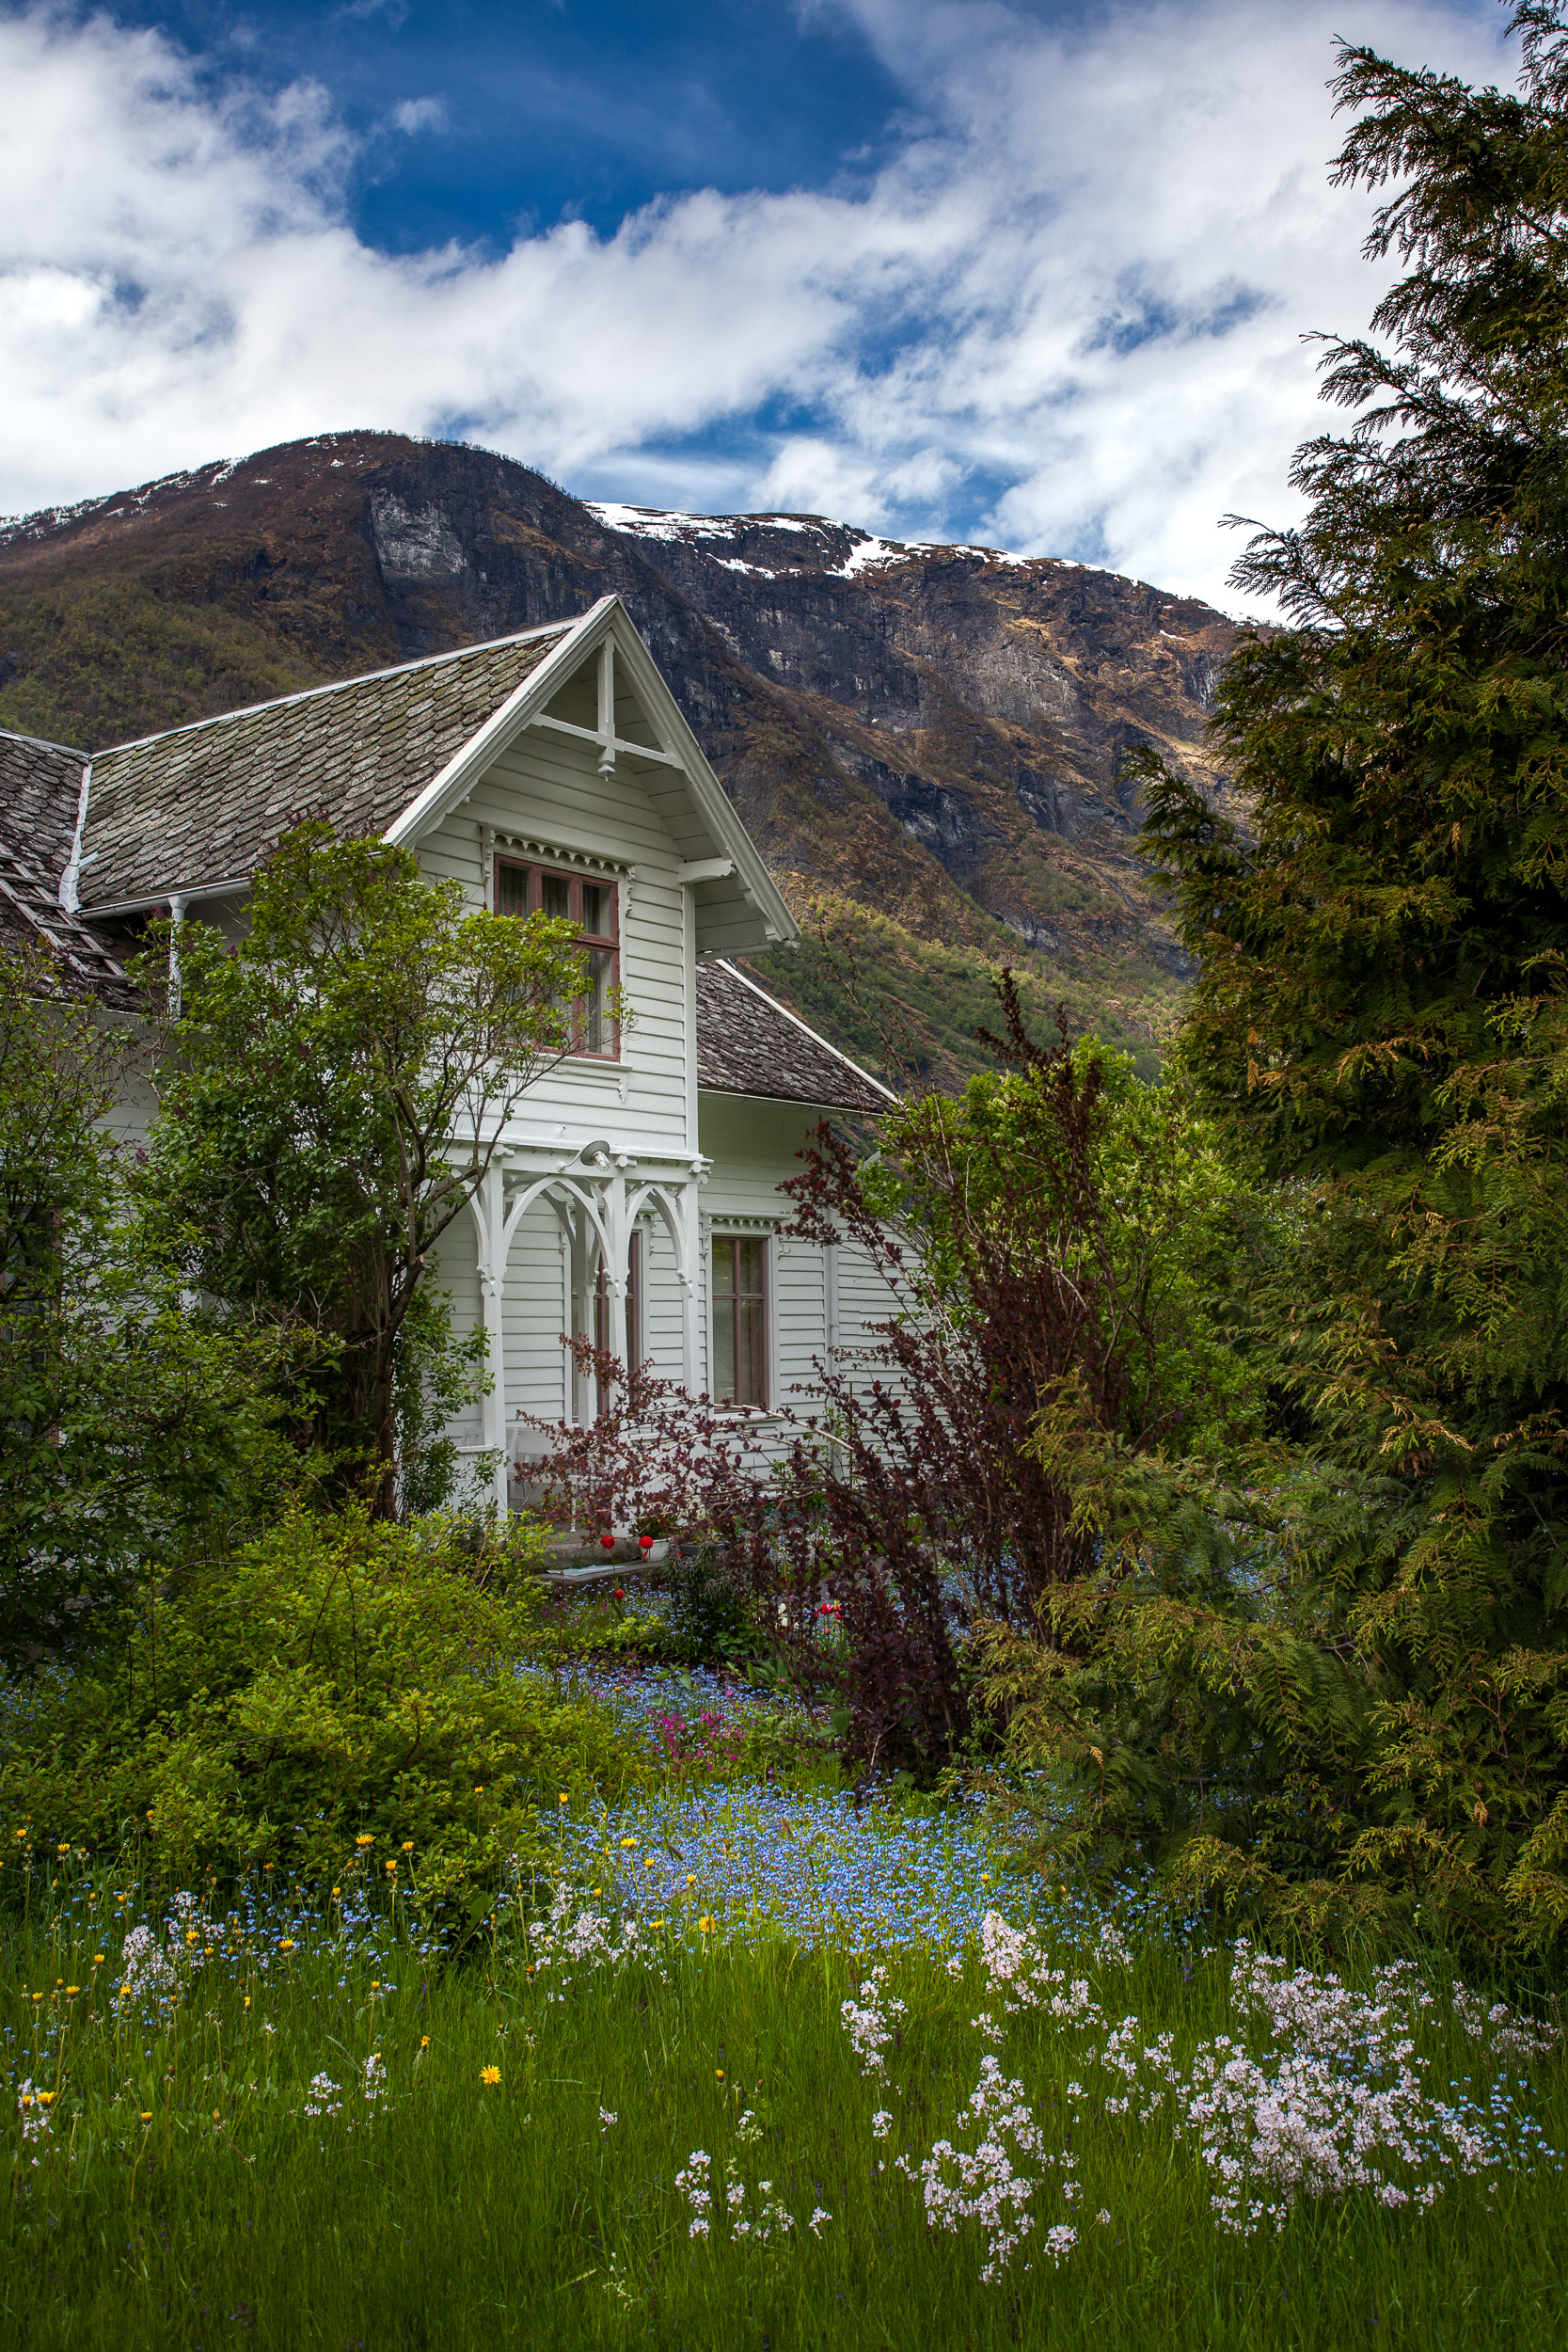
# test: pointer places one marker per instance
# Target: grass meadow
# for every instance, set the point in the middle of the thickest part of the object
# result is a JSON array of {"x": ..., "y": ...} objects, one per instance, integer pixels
[{"x": 686, "y": 2087}]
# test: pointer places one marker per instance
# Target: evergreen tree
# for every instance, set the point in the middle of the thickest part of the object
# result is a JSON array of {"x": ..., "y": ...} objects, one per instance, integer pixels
[{"x": 1380, "y": 1013}]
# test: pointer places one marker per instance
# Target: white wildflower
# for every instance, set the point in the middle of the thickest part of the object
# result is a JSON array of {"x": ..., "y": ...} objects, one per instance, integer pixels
[
  {"x": 324, "y": 2099},
  {"x": 693, "y": 2180},
  {"x": 869, "y": 2023},
  {"x": 983, "y": 2183}
]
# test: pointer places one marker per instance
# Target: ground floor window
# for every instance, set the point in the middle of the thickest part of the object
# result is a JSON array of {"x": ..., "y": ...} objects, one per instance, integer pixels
[{"x": 739, "y": 1319}]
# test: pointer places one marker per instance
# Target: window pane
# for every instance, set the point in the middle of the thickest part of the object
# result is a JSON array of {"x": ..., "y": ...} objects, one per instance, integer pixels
[
  {"x": 512, "y": 890},
  {"x": 749, "y": 1384},
  {"x": 723, "y": 1268},
  {"x": 723, "y": 1352},
  {"x": 555, "y": 896},
  {"x": 597, "y": 1027},
  {"x": 595, "y": 911},
  {"x": 749, "y": 1267}
]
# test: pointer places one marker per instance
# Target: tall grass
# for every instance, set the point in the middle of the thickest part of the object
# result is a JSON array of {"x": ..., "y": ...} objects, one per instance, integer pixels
[{"x": 175, "y": 2189}]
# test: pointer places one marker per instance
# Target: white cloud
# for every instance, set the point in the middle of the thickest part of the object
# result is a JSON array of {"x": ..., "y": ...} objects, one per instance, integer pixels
[
  {"x": 1064, "y": 316},
  {"x": 420, "y": 114}
]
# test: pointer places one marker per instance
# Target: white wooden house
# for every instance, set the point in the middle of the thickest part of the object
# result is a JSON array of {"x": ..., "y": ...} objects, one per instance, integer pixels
[{"x": 636, "y": 1196}]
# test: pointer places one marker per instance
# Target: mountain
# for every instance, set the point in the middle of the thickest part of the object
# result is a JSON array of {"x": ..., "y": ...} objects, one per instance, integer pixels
[{"x": 926, "y": 741}]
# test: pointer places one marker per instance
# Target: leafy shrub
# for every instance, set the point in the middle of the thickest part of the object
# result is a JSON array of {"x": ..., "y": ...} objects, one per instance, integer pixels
[
  {"x": 130, "y": 1427},
  {"x": 340, "y": 1679},
  {"x": 707, "y": 1617}
]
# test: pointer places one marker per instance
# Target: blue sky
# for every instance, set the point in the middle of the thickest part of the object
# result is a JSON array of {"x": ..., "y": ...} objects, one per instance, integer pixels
[
  {"x": 1030, "y": 274},
  {"x": 537, "y": 112}
]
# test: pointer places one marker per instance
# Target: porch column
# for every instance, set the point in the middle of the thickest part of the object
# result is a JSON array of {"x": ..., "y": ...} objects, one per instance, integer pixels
[
  {"x": 689, "y": 1272},
  {"x": 492, "y": 1292},
  {"x": 618, "y": 1259}
]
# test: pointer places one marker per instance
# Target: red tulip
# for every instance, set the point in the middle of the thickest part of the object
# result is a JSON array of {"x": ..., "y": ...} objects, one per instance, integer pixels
[{"x": 609, "y": 1542}]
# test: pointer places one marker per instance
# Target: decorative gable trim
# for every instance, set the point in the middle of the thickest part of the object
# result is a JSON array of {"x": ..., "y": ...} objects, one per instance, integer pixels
[{"x": 678, "y": 749}]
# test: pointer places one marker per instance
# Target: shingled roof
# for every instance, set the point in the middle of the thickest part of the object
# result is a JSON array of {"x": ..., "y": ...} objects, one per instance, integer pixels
[
  {"x": 748, "y": 1043},
  {"x": 204, "y": 803}
]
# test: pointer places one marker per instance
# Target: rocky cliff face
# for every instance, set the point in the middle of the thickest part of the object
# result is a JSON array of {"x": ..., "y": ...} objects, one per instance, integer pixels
[{"x": 926, "y": 742}]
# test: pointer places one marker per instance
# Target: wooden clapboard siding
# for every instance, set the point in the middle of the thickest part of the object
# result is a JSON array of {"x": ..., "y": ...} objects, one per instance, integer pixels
[
  {"x": 453, "y": 1268},
  {"x": 661, "y": 1300},
  {"x": 533, "y": 1318}
]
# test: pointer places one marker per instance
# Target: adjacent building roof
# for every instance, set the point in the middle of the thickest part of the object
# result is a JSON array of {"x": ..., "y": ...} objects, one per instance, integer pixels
[
  {"x": 40, "y": 791},
  {"x": 748, "y": 1043},
  {"x": 204, "y": 804},
  {"x": 31, "y": 915}
]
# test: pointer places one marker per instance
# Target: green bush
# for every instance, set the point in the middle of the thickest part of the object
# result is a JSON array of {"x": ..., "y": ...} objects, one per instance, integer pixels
[{"x": 340, "y": 1679}]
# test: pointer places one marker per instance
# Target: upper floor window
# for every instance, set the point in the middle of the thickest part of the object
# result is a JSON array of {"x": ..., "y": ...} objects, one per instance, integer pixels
[{"x": 592, "y": 905}]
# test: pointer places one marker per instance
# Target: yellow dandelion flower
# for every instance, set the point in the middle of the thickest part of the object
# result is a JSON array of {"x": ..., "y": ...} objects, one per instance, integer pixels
[
  {"x": 65, "y": 1849},
  {"x": 408, "y": 1845},
  {"x": 98, "y": 1960},
  {"x": 649, "y": 1863},
  {"x": 71, "y": 1991},
  {"x": 247, "y": 2000},
  {"x": 564, "y": 1799},
  {"x": 286, "y": 1944},
  {"x": 145, "y": 2116},
  {"x": 337, "y": 1890},
  {"x": 45, "y": 2098},
  {"x": 365, "y": 1838},
  {"x": 718, "y": 2074},
  {"x": 706, "y": 1925},
  {"x": 424, "y": 2042},
  {"x": 490, "y": 2075}
]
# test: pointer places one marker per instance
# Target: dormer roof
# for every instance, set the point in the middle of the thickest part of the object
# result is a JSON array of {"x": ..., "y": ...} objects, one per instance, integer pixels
[{"x": 748, "y": 1043}]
